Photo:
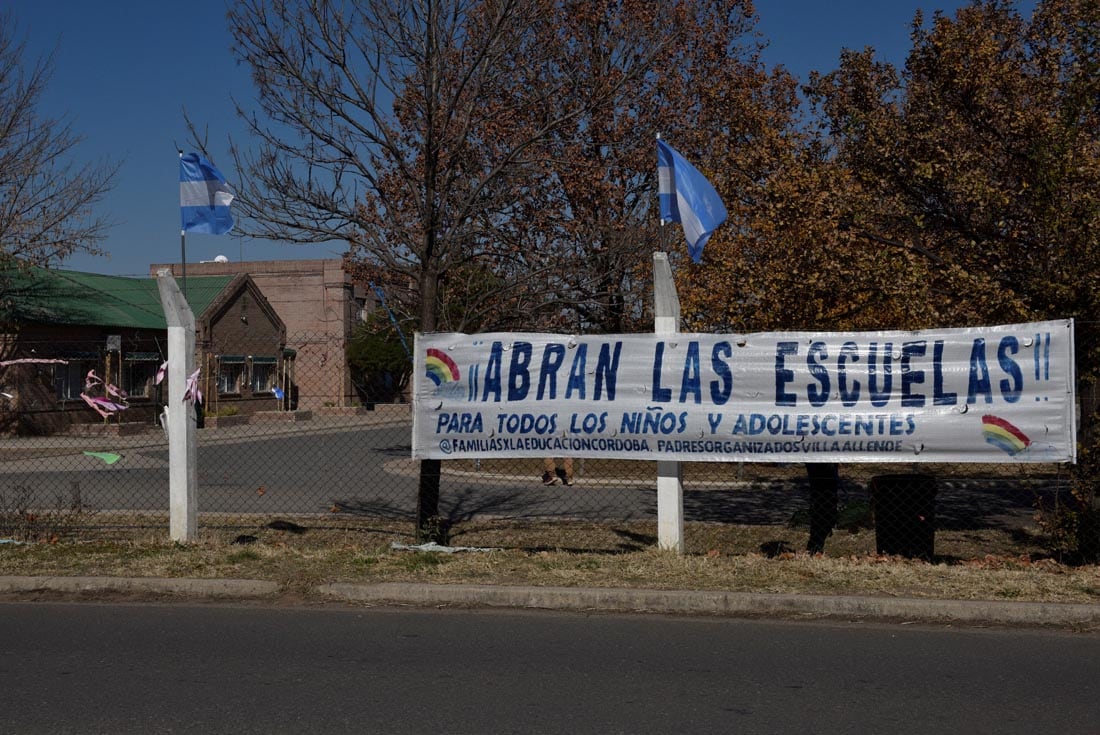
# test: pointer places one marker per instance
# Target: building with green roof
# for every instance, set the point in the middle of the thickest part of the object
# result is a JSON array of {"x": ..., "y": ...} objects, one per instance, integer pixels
[
  {"x": 62, "y": 325},
  {"x": 45, "y": 296}
]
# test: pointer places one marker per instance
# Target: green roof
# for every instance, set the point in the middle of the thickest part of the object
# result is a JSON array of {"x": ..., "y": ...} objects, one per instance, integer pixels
[{"x": 41, "y": 295}]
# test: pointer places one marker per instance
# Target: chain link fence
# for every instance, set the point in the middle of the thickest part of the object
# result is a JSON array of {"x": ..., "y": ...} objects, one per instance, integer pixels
[{"x": 298, "y": 439}]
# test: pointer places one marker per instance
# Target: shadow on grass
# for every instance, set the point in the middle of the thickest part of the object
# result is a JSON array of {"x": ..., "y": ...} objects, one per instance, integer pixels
[{"x": 511, "y": 515}]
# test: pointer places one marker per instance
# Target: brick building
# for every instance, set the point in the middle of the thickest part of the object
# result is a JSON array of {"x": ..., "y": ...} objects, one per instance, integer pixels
[{"x": 320, "y": 307}]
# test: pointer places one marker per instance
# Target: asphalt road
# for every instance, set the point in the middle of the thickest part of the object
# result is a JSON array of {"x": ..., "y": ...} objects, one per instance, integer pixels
[
  {"x": 356, "y": 470},
  {"x": 368, "y": 471},
  {"x": 111, "y": 668}
]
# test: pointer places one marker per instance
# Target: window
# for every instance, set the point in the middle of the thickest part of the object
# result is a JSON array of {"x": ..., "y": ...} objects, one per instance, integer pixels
[
  {"x": 230, "y": 374},
  {"x": 139, "y": 371},
  {"x": 263, "y": 374},
  {"x": 69, "y": 379}
]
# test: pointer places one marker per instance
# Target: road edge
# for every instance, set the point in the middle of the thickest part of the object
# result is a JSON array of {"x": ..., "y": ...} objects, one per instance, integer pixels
[
  {"x": 720, "y": 603},
  {"x": 589, "y": 599}
]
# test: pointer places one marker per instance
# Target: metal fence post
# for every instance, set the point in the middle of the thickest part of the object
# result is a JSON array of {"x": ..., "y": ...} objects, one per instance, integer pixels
[
  {"x": 182, "y": 446},
  {"x": 670, "y": 490}
]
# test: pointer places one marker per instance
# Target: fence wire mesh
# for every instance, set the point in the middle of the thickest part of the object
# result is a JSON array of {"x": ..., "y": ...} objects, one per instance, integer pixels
[{"x": 298, "y": 438}]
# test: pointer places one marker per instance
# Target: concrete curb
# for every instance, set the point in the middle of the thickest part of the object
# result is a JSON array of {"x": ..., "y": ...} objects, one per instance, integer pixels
[
  {"x": 589, "y": 599},
  {"x": 719, "y": 603},
  {"x": 223, "y": 588}
]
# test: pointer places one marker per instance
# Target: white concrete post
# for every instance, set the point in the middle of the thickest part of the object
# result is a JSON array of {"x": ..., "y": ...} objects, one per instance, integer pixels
[
  {"x": 182, "y": 446},
  {"x": 670, "y": 489}
]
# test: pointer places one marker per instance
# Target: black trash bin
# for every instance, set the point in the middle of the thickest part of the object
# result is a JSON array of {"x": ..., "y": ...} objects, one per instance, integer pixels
[{"x": 905, "y": 515}]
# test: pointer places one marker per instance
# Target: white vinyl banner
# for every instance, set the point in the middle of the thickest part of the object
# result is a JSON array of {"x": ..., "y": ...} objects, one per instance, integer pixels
[{"x": 986, "y": 394}]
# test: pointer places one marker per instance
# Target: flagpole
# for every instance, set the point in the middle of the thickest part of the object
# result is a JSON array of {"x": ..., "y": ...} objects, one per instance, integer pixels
[
  {"x": 670, "y": 478},
  {"x": 183, "y": 247},
  {"x": 658, "y": 206},
  {"x": 183, "y": 259}
]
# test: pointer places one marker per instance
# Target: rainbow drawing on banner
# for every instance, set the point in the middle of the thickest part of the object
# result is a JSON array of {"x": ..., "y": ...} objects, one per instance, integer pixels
[
  {"x": 1004, "y": 435},
  {"x": 440, "y": 367}
]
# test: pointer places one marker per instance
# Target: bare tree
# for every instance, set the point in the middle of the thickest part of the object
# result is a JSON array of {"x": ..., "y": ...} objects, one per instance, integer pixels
[
  {"x": 369, "y": 125},
  {"x": 46, "y": 199},
  {"x": 382, "y": 123}
]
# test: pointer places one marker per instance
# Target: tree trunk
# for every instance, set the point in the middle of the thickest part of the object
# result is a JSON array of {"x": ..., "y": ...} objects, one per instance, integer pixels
[
  {"x": 430, "y": 527},
  {"x": 824, "y": 486}
]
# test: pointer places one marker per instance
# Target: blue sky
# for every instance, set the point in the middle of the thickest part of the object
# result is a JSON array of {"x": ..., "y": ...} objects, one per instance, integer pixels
[{"x": 124, "y": 70}]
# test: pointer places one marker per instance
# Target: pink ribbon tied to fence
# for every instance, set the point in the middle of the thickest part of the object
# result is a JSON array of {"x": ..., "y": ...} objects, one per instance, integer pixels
[
  {"x": 191, "y": 391},
  {"x": 34, "y": 360},
  {"x": 113, "y": 400}
]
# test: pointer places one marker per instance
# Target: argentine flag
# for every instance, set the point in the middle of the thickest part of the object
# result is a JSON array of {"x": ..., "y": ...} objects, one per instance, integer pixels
[
  {"x": 204, "y": 197},
  {"x": 687, "y": 197}
]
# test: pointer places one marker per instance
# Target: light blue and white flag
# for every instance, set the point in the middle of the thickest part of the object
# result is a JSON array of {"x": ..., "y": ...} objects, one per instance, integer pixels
[
  {"x": 687, "y": 197},
  {"x": 204, "y": 197}
]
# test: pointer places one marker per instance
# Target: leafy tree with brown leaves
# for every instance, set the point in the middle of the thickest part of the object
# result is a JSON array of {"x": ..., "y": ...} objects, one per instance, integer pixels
[
  {"x": 959, "y": 189},
  {"x": 982, "y": 156},
  {"x": 643, "y": 70},
  {"x": 689, "y": 70}
]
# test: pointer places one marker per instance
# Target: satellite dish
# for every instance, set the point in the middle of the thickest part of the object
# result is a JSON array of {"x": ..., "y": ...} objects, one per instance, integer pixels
[{"x": 221, "y": 259}]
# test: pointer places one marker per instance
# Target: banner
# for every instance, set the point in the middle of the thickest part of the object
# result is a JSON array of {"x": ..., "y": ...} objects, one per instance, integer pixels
[{"x": 987, "y": 394}]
